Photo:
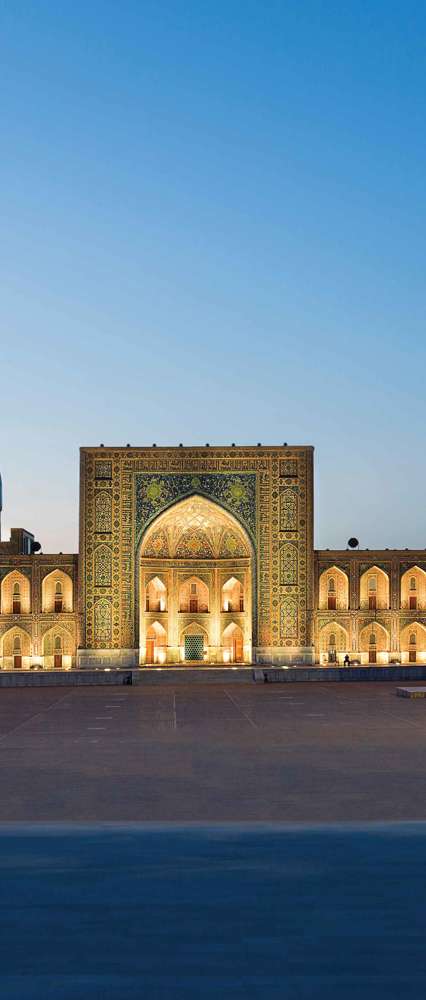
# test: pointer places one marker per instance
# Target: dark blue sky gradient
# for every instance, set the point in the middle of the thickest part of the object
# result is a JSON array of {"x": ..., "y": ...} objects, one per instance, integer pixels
[{"x": 213, "y": 221}]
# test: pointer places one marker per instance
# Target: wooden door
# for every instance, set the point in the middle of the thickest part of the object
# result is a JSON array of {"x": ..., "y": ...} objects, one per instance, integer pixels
[
  {"x": 331, "y": 602},
  {"x": 372, "y": 656},
  {"x": 413, "y": 602},
  {"x": 150, "y": 647},
  {"x": 16, "y": 606},
  {"x": 193, "y": 605},
  {"x": 372, "y": 602},
  {"x": 58, "y": 605},
  {"x": 412, "y": 656},
  {"x": 237, "y": 649},
  {"x": 57, "y": 660},
  {"x": 17, "y": 662}
]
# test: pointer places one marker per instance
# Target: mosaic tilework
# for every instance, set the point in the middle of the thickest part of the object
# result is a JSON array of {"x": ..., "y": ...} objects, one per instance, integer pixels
[{"x": 269, "y": 493}]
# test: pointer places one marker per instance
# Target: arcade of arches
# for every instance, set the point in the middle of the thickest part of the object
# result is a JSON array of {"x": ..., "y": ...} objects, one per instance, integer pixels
[
  {"x": 195, "y": 587},
  {"x": 205, "y": 555}
]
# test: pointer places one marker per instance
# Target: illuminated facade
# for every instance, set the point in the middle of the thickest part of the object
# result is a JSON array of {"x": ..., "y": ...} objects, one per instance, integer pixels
[{"x": 205, "y": 554}]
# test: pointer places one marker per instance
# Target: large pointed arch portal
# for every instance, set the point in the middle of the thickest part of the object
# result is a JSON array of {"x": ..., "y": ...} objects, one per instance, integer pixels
[{"x": 187, "y": 556}]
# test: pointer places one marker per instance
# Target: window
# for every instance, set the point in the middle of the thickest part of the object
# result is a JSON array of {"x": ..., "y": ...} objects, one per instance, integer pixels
[
  {"x": 331, "y": 602},
  {"x": 413, "y": 583},
  {"x": 413, "y": 639},
  {"x": 193, "y": 588},
  {"x": 57, "y": 655},
  {"x": 16, "y": 599},
  {"x": 17, "y": 656},
  {"x": 372, "y": 653},
  {"x": 372, "y": 593},
  {"x": 332, "y": 639},
  {"x": 58, "y": 597}
]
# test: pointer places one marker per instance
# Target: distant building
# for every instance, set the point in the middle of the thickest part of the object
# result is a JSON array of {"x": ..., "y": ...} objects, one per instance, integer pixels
[{"x": 205, "y": 554}]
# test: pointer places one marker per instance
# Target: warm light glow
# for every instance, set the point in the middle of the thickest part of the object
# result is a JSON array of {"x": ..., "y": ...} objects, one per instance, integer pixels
[
  {"x": 226, "y": 655},
  {"x": 161, "y": 656}
]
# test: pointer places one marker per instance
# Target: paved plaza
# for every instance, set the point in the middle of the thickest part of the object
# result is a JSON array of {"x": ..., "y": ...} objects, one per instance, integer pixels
[
  {"x": 212, "y": 753},
  {"x": 184, "y": 914}
]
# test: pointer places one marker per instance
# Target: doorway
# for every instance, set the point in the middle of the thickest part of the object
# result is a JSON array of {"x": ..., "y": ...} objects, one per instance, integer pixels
[{"x": 194, "y": 647}]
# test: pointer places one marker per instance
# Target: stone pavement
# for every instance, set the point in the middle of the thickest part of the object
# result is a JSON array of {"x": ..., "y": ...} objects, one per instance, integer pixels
[
  {"x": 180, "y": 752},
  {"x": 188, "y": 913}
]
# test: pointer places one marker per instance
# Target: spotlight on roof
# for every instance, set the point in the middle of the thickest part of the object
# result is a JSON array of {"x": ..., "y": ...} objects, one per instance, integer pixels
[{"x": 353, "y": 543}]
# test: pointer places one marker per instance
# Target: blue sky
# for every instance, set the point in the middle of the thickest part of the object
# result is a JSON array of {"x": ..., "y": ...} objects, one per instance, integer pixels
[{"x": 213, "y": 229}]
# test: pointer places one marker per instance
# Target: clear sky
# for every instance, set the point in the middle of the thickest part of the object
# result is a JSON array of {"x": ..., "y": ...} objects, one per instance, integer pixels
[{"x": 213, "y": 229}]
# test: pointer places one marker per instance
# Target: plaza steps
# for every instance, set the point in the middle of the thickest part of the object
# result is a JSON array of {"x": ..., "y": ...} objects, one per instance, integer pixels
[{"x": 207, "y": 675}]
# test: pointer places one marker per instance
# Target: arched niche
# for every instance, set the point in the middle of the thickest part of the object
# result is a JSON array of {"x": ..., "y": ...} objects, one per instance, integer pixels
[
  {"x": 233, "y": 643},
  {"x": 195, "y": 547},
  {"x": 156, "y": 643},
  {"x": 374, "y": 589},
  {"x": 374, "y": 643},
  {"x": 413, "y": 589},
  {"x": 333, "y": 590},
  {"x": 232, "y": 595},
  {"x": 56, "y": 592},
  {"x": 58, "y": 648},
  {"x": 15, "y": 594},
  {"x": 413, "y": 643},
  {"x": 334, "y": 643},
  {"x": 15, "y": 649},
  {"x": 193, "y": 596},
  {"x": 155, "y": 595}
]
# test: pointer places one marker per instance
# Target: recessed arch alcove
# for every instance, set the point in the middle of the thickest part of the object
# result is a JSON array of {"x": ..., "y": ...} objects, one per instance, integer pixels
[{"x": 195, "y": 547}]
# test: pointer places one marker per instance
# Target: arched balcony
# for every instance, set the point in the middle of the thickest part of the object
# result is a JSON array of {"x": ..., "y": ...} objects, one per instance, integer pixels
[
  {"x": 232, "y": 595},
  {"x": 333, "y": 590},
  {"x": 56, "y": 592},
  {"x": 413, "y": 589},
  {"x": 193, "y": 596},
  {"x": 15, "y": 594},
  {"x": 374, "y": 590},
  {"x": 156, "y": 595}
]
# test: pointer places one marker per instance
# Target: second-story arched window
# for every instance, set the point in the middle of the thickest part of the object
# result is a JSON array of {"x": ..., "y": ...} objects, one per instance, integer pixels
[
  {"x": 331, "y": 602},
  {"x": 16, "y": 599},
  {"x": 59, "y": 600}
]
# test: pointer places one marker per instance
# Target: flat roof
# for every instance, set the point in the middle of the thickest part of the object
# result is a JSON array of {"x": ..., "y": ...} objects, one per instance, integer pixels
[{"x": 197, "y": 447}]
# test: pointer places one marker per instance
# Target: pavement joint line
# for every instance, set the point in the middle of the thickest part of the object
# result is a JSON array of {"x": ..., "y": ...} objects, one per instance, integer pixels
[
  {"x": 235, "y": 704},
  {"x": 32, "y": 717}
]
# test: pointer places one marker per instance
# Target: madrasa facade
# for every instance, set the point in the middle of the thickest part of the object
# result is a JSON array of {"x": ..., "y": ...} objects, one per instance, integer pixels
[{"x": 195, "y": 555}]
